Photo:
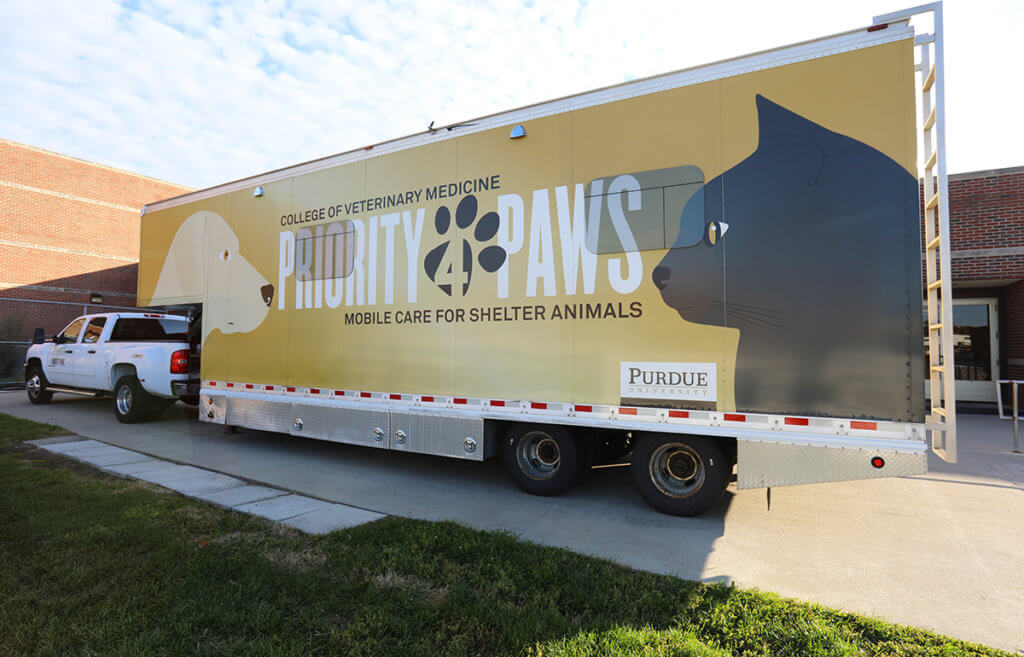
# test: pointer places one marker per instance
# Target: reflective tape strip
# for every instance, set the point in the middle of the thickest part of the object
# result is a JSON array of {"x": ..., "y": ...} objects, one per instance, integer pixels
[{"x": 627, "y": 417}]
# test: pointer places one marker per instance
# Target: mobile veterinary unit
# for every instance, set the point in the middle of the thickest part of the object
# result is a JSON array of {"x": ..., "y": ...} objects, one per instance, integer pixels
[{"x": 710, "y": 268}]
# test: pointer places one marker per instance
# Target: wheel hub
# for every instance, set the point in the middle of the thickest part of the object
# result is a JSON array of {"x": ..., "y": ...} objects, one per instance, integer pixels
[
  {"x": 33, "y": 384},
  {"x": 547, "y": 452},
  {"x": 538, "y": 455},
  {"x": 124, "y": 400},
  {"x": 682, "y": 466},
  {"x": 677, "y": 470}
]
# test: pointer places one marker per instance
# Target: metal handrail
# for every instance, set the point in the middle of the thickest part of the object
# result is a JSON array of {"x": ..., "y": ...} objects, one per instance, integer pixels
[{"x": 1014, "y": 405}]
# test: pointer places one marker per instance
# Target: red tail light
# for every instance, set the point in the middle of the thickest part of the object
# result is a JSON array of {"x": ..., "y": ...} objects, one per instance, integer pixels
[{"x": 179, "y": 362}]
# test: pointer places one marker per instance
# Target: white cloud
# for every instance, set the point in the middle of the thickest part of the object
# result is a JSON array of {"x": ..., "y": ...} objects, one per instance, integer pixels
[{"x": 201, "y": 93}]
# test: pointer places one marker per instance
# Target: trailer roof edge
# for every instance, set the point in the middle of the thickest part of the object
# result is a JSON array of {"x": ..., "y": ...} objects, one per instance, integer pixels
[{"x": 801, "y": 51}]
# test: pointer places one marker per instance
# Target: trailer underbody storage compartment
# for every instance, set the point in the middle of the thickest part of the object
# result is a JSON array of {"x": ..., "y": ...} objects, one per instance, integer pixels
[{"x": 714, "y": 268}]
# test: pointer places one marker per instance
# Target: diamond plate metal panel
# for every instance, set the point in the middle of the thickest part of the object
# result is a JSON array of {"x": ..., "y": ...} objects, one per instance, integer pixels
[
  {"x": 259, "y": 414},
  {"x": 342, "y": 425},
  {"x": 761, "y": 464},
  {"x": 212, "y": 408},
  {"x": 428, "y": 433}
]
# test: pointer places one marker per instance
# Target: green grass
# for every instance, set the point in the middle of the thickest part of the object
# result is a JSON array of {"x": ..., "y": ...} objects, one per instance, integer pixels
[
  {"x": 14, "y": 430},
  {"x": 91, "y": 565}
]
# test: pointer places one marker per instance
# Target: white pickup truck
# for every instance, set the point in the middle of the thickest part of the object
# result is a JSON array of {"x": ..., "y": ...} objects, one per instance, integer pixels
[{"x": 142, "y": 358}]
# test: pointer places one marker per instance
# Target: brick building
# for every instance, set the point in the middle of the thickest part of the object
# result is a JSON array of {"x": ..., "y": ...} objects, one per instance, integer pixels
[
  {"x": 69, "y": 237},
  {"x": 986, "y": 210}
]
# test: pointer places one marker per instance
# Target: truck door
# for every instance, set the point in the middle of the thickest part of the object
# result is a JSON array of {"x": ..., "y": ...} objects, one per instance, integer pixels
[
  {"x": 59, "y": 366},
  {"x": 86, "y": 360}
]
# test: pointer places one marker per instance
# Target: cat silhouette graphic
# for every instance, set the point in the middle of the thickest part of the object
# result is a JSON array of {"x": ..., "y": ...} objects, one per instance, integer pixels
[{"x": 810, "y": 247}]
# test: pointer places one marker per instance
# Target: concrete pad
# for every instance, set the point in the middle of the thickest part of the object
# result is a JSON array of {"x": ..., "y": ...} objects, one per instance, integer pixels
[
  {"x": 55, "y": 440},
  {"x": 113, "y": 458},
  {"x": 206, "y": 483},
  {"x": 331, "y": 518},
  {"x": 232, "y": 497},
  {"x": 170, "y": 474},
  {"x": 77, "y": 447},
  {"x": 136, "y": 469},
  {"x": 281, "y": 508}
]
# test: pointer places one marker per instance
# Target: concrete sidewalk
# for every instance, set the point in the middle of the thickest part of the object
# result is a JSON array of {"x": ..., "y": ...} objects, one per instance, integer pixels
[
  {"x": 306, "y": 514},
  {"x": 943, "y": 551}
]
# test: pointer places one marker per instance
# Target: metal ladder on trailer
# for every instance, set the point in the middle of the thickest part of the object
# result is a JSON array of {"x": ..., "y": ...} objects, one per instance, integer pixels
[{"x": 941, "y": 421}]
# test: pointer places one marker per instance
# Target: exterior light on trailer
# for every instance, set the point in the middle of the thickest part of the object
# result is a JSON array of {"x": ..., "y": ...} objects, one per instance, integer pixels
[
  {"x": 258, "y": 191},
  {"x": 517, "y": 132},
  {"x": 878, "y": 462}
]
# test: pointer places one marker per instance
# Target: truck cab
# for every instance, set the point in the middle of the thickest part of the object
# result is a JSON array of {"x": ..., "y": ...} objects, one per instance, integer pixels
[{"x": 142, "y": 358}]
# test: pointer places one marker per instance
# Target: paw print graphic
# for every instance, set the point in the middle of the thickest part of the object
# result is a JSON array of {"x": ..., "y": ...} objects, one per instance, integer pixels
[{"x": 451, "y": 263}]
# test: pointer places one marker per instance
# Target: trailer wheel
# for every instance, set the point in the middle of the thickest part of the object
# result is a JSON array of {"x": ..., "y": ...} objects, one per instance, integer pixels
[
  {"x": 680, "y": 475},
  {"x": 35, "y": 385},
  {"x": 542, "y": 460},
  {"x": 131, "y": 403}
]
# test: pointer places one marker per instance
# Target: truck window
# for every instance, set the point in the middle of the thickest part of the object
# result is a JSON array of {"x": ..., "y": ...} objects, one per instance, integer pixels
[
  {"x": 94, "y": 329},
  {"x": 143, "y": 328},
  {"x": 70, "y": 334},
  {"x": 644, "y": 211}
]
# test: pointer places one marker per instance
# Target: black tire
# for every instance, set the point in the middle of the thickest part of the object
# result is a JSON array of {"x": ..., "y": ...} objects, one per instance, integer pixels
[
  {"x": 131, "y": 403},
  {"x": 191, "y": 400},
  {"x": 36, "y": 386},
  {"x": 542, "y": 459},
  {"x": 680, "y": 475}
]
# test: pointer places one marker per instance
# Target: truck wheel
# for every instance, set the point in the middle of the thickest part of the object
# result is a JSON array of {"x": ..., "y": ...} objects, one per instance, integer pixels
[
  {"x": 680, "y": 475},
  {"x": 35, "y": 385},
  {"x": 542, "y": 460},
  {"x": 131, "y": 403}
]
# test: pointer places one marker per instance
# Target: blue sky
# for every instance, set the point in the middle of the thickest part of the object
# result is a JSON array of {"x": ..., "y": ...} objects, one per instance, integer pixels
[{"x": 203, "y": 93}]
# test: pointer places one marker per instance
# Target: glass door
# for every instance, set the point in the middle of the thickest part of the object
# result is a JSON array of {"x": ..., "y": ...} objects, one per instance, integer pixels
[{"x": 975, "y": 349}]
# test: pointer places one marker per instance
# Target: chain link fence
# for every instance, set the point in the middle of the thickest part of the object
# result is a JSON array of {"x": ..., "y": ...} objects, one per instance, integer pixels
[{"x": 19, "y": 318}]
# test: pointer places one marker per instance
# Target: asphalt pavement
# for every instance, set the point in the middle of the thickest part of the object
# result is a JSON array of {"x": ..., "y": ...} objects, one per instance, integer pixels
[{"x": 942, "y": 551}]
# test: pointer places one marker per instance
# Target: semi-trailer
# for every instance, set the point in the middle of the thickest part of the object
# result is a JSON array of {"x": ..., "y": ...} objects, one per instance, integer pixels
[{"x": 712, "y": 268}]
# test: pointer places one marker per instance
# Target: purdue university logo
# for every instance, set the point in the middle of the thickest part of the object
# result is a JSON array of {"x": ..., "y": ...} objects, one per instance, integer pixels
[{"x": 683, "y": 381}]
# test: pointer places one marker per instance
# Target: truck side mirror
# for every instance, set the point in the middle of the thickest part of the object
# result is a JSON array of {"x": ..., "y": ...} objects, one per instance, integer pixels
[{"x": 38, "y": 336}]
